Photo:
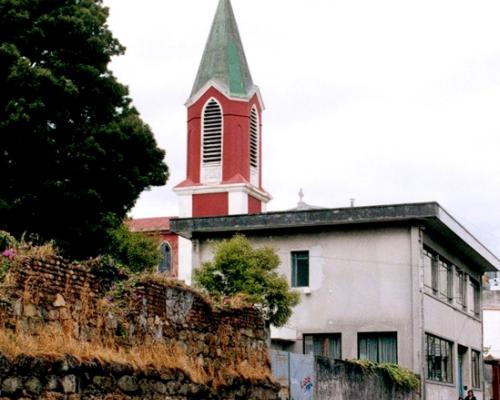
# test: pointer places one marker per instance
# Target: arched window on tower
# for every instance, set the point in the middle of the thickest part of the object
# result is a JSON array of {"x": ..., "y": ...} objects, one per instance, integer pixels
[
  {"x": 254, "y": 147},
  {"x": 211, "y": 151},
  {"x": 166, "y": 259}
]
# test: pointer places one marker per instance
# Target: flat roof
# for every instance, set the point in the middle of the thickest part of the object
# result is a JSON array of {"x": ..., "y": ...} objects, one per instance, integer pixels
[{"x": 431, "y": 215}]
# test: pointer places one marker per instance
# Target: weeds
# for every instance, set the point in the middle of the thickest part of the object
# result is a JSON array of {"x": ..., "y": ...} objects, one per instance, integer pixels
[{"x": 401, "y": 377}]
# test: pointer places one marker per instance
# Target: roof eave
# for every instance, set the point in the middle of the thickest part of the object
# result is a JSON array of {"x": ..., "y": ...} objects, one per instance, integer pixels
[
  {"x": 226, "y": 92},
  {"x": 429, "y": 215}
]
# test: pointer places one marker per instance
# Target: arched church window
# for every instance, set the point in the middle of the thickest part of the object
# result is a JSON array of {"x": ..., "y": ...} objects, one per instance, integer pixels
[
  {"x": 166, "y": 258},
  {"x": 211, "y": 171},
  {"x": 254, "y": 138},
  {"x": 212, "y": 133},
  {"x": 254, "y": 146}
]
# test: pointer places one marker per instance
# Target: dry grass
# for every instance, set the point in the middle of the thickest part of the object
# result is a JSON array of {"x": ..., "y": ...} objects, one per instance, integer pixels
[{"x": 54, "y": 343}]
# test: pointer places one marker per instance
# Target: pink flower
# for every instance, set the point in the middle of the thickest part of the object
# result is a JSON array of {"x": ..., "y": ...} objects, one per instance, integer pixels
[{"x": 10, "y": 253}]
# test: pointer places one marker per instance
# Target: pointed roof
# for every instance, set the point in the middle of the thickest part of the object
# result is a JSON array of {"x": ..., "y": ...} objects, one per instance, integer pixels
[{"x": 224, "y": 62}]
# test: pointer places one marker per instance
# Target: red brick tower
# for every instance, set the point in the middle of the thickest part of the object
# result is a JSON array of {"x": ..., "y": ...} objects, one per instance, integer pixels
[{"x": 224, "y": 147}]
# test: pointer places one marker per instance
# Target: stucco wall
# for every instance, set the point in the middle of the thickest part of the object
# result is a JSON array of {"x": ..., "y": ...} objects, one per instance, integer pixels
[
  {"x": 359, "y": 281},
  {"x": 492, "y": 332},
  {"x": 491, "y": 317}
]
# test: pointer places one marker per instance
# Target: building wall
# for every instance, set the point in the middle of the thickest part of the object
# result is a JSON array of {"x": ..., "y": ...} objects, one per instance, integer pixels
[
  {"x": 173, "y": 241},
  {"x": 360, "y": 281},
  {"x": 372, "y": 280},
  {"x": 442, "y": 320},
  {"x": 491, "y": 316},
  {"x": 449, "y": 320}
]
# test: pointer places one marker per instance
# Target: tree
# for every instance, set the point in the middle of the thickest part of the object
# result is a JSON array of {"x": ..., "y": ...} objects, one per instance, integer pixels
[
  {"x": 134, "y": 251},
  {"x": 238, "y": 268},
  {"x": 74, "y": 152}
]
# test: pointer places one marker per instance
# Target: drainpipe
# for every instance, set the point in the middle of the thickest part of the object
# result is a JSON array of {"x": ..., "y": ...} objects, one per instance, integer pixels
[
  {"x": 416, "y": 246},
  {"x": 421, "y": 323}
]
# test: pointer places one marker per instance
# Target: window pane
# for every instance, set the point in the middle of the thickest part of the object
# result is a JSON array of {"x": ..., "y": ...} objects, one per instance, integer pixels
[
  {"x": 300, "y": 269},
  {"x": 439, "y": 359},
  {"x": 388, "y": 349},
  {"x": 459, "y": 289},
  {"x": 435, "y": 275},
  {"x": 378, "y": 347},
  {"x": 166, "y": 259},
  {"x": 427, "y": 270},
  {"x": 328, "y": 345},
  {"x": 443, "y": 279},
  {"x": 476, "y": 297},
  {"x": 475, "y": 366},
  {"x": 308, "y": 344},
  {"x": 431, "y": 266},
  {"x": 470, "y": 296}
]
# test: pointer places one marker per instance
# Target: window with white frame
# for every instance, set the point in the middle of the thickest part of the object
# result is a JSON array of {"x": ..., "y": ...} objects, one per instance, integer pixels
[
  {"x": 212, "y": 142},
  {"x": 326, "y": 345},
  {"x": 379, "y": 347},
  {"x": 300, "y": 269},
  {"x": 439, "y": 359}
]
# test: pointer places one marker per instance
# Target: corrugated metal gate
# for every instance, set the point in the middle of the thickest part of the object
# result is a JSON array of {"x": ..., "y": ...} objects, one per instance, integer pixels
[{"x": 295, "y": 373}]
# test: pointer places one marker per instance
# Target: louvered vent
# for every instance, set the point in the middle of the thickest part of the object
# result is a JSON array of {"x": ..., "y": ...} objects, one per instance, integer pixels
[
  {"x": 212, "y": 133},
  {"x": 254, "y": 138}
]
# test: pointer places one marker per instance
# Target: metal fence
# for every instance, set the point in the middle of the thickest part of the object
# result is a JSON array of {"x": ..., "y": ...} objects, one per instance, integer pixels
[{"x": 295, "y": 373}]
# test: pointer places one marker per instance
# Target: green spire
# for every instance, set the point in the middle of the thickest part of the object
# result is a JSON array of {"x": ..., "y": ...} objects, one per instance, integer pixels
[{"x": 224, "y": 60}]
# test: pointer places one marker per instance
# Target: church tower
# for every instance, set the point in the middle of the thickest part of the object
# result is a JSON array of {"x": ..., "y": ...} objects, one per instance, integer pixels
[{"x": 224, "y": 146}]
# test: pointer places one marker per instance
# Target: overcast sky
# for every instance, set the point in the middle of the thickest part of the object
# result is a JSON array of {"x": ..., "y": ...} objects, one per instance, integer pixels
[{"x": 385, "y": 101}]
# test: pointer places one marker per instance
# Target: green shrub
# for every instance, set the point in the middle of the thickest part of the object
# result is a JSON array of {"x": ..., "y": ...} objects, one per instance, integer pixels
[
  {"x": 133, "y": 252},
  {"x": 399, "y": 376}
]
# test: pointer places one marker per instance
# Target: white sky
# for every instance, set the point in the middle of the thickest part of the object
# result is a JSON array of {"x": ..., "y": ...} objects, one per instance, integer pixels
[{"x": 385, "y": 101}]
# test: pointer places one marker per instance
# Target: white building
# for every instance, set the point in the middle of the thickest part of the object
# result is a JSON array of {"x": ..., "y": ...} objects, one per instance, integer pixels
[{"x": 398, "y": 283}]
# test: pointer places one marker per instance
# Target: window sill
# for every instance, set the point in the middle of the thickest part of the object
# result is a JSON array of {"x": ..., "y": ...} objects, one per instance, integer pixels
[
  {"x": 440, "y": 383},
  {"x": 303, "y": 289}
]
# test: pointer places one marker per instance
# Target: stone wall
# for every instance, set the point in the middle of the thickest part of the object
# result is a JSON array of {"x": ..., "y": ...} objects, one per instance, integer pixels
[
  {"x": 68, "y": 379},
  {"x": 346, "y": 381},
  {"x": 95, "y": 303}
]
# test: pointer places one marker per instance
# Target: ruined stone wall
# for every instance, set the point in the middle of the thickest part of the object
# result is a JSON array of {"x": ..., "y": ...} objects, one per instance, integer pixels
[
  {"x": 91, "y": 303},
  {"x": 68, "y": 379}
]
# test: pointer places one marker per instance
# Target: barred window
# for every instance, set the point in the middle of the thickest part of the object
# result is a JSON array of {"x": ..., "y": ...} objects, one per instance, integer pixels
[
  {"x": 254, "y": 138},
  {"x": 212, "y": 133},
  {"x": 326, "y": 345},
  {"x": 439, "y": 359},
  {"x": 379, "y": 347}
]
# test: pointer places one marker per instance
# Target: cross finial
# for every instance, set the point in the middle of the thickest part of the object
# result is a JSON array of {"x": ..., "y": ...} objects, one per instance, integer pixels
[{"x": 301, "y": 195}]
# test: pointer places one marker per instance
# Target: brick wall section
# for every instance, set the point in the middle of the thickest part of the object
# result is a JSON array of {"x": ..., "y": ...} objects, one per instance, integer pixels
[{"x": 74, "y": 297}]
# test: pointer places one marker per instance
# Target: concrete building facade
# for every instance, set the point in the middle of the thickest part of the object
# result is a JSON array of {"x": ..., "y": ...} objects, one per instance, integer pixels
[{"x": 387, "y": 283}]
